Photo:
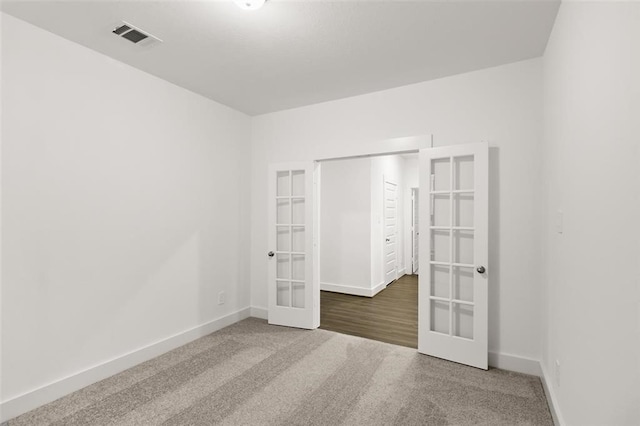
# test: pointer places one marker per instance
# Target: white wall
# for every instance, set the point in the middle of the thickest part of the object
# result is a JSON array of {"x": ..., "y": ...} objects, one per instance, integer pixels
[
  {"x": 502, "y": 105},
  {"x": 124, "y": 208},
  {"x": 345, "y": 224},
  {"x": 592, "y": 172}
]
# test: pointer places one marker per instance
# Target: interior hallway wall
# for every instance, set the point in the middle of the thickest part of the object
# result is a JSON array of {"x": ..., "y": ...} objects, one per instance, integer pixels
[
  {"x": 501, "y": 105},
  {"x": 345, "y": 225},
  {"x": 124, "y": 209},
  {"x": 592, "y": 175}
]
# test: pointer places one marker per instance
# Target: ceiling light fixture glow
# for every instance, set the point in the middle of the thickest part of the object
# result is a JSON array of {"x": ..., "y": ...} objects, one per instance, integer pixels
[{"x": 249, "y": 4}]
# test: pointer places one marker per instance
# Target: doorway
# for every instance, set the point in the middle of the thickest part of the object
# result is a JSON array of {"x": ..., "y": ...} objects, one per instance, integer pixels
[{"x": 366, "y": 282}]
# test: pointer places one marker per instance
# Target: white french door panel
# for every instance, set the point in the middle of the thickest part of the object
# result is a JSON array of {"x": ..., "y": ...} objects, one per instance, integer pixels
[
  {"x": 453, "y": 283},
  {"x": 293, "y": 290}
]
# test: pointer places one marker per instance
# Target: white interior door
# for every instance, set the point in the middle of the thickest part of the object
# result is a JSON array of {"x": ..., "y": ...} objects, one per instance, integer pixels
[
  {"x": 293, "y": 290},
  {"x": 453, "y": 285},
  {"x": 415, "y": 230},
  {"x": 390, "y": 232}
]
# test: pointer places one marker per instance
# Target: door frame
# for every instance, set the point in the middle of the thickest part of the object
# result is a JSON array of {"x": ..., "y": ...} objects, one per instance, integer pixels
[{"x": 415, "y": 231}]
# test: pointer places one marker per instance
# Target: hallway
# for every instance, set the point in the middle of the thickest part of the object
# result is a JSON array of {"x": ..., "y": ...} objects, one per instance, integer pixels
[{"x": 390, "y": 316}]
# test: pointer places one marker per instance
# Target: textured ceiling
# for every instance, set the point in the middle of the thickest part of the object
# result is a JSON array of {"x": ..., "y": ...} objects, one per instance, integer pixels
[{"x": 295, "y": 53}]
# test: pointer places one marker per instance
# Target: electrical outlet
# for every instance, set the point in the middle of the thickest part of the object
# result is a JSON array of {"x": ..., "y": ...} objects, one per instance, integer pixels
[
  {"x": 222, "y": 297},
  {"x": 557, "y": 373}
]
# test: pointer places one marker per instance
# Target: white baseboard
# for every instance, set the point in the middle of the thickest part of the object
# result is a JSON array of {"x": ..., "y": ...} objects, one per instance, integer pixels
[
  {"x": 535, "y": 368},
  {"x": 257, "y": 312},
  {"x": 515, "y": 363},
  {"x": 552, "y": 399},
  {"x": 377, "y": 289},
  {"x": 52, "y": 391},
  {"x": 402, "y": 272},
  {"x": 356, "y": 291}
]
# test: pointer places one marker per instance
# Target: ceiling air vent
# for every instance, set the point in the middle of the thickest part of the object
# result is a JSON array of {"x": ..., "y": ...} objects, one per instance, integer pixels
[{"x": 135, "y": 35}]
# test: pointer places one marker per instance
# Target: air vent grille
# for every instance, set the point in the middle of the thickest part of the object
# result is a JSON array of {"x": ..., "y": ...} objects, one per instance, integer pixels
[
  {"x": 121, "y": 29},
  {"x": 135, "y": 35}
]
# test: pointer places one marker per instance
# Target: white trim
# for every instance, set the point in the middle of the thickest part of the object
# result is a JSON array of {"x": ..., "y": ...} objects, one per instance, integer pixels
[
  {"x": 552, "y": 399},
  {"x": 515, "y": 363},
  {"x": 402, "y": 272},
  {"x": 393, "y": 146},
  {"x": 321, "y": 153},
  {"x": 258, "y": 312},
  {"x": 28, "y": 401},
  {"x": 377, "y": 289},
  {"x": 356, "y": 291}
]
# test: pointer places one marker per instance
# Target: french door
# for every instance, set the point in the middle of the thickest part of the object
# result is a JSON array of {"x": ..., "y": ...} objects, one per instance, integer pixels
[
  {"x": 453, "y": 281},
  {"x": 293, "y": 290}
]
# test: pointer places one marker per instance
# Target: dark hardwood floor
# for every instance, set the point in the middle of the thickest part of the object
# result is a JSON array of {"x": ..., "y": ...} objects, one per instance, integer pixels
[{"x": 390, "y": 316}]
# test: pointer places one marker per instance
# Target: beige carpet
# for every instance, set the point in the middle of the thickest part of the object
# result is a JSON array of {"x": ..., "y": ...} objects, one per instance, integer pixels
[{"x": 254, "y": 374}]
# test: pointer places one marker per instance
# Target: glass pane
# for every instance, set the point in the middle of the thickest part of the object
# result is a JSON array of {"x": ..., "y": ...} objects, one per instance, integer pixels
[
  {"x": 463, "y": 247},
  {"x": 440, "y": 281},
  {"x": 283, "y": 239},
  {"x": 463, "y": 283},
  {"x": 463, "y": 210},
  {"x": 441, "y": 206},
  {"x": 298, "y": 239},
  {"x": 463, "y": 172},
  {"x": 283, "y": 183},
  {"x": 440, "y": 316},
  {"x": 440, "y": 246},
  {"x": 298, "y": 211},
  {"x": 283, "y": 267},
  {"x": 463, "y": 320},
  {"x": 297, "y": 180},
  {"x": 283, "y": 214},
  {"x": 440, "y": 170},
  {"x": 297, "y": 297},
  {"x": 282, "y": 293},
  {"x": 298, "y": 267}
]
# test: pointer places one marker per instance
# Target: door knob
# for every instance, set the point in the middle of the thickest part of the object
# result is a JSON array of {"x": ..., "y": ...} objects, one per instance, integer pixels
[
  {"x": 481, "y": 269},
  {"x": 270, "y": 254}
]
